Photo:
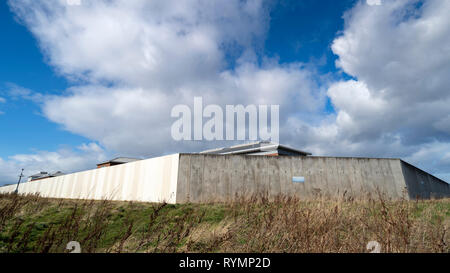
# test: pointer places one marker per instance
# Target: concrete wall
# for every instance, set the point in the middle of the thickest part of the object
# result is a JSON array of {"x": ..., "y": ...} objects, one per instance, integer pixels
[
  {"x": 181, "y": 178},
  {"x": 203, "y": 178},
  {"x": 150, "y": 180},
  {"x": 422, "y": 184}
]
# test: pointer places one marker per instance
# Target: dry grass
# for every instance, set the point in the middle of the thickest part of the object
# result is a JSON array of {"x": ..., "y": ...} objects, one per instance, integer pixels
[{"x": 35, "y": 224}]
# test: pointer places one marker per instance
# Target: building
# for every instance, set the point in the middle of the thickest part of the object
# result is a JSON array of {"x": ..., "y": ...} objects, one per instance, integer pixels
[
  {"x": 258, "y": 148},
  {"x": 116, "y": 161},
  {"x": 224, "y": 174},
  {"x": 44, "y": 175}
]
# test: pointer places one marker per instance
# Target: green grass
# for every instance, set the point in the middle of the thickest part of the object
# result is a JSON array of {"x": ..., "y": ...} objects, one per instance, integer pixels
[{"x": 34, "y": 224}]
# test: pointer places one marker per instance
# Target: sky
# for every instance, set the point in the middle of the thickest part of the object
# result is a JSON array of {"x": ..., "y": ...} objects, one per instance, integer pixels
[{"x": 82, "y": 83}]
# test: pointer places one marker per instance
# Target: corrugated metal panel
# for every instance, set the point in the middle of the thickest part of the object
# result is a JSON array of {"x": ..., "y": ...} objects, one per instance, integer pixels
[{"x": 150, "y": 180}]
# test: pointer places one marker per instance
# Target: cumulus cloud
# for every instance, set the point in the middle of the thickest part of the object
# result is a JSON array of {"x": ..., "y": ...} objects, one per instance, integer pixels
[
  {"x": 155, "y": 44},
  {"x": 66, "y": 160},
  {"x": 159, "y": 54},
  {"x": 137, "y": 120}
]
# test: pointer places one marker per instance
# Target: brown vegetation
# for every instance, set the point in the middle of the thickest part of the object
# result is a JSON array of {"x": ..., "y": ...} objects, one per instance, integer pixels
[{"x": 35, "y": 224}]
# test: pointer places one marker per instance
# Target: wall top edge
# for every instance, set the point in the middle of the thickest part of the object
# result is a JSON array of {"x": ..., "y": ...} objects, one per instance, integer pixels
[{"x": 295, "y": 156}]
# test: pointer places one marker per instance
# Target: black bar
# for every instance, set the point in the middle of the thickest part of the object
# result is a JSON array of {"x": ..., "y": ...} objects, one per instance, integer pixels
[{"x": 225, "y": 262}]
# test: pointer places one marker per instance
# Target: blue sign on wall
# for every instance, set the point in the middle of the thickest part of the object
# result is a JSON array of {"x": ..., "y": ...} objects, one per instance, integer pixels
[{"x": 298, "y": 179}]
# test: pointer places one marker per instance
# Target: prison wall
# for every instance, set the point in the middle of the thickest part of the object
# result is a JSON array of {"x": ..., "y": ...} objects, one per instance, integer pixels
[
  {"x": 423, "y": 185},
  {"x": 205, "y": 178},
  {"x": 150, "y": 180},
  {"x": 199, "y": 178}
]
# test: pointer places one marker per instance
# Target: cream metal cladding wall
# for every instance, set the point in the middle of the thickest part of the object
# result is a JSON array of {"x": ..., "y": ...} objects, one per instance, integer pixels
[
  {"x": 205, "y": 178},
  {"x": 150, "y": 180}
]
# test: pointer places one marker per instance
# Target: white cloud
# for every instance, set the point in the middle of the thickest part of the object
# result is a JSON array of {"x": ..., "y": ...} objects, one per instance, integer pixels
[
  {"x": 66, "y": 160},
  {"x": 2, "y": 100},
  {"x": 159, "y": 54},
  {"x": 15, "y": 92},
  {"x": 137, "y": 121},
  {"x": 155, "y": 44},
  {"x": 435, "y": 157},
  {"x": 373, "y": 2}
]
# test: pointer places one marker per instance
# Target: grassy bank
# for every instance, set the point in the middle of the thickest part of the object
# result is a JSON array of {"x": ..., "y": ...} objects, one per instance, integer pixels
[{"x": 35, "y": 224}]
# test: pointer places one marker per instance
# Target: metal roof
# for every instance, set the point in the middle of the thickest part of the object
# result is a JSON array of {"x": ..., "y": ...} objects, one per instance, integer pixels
[
  {"x": 58, "y": 173},
  {"x": 40, "y": 174},
  {"x": 45, "y": 174},
  {"x": 255, "y": 147},
  {"x": 120, "y": 160}
]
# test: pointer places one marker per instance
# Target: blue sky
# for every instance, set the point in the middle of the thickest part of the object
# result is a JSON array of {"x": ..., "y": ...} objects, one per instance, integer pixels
[
  {"x": 304, "y": 30},
  {"x": 78, "y": 85},
  {"x": 23, "y": 65}
]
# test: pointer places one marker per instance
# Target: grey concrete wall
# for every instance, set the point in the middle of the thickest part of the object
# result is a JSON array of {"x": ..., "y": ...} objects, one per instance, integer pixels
[
  {"x": 422, "y": 184},
  {"x": 204, "y": 178}
]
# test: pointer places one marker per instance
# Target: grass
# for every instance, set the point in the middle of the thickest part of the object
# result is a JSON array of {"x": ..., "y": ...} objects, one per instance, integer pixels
[{"x": 41, "y": 225}]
